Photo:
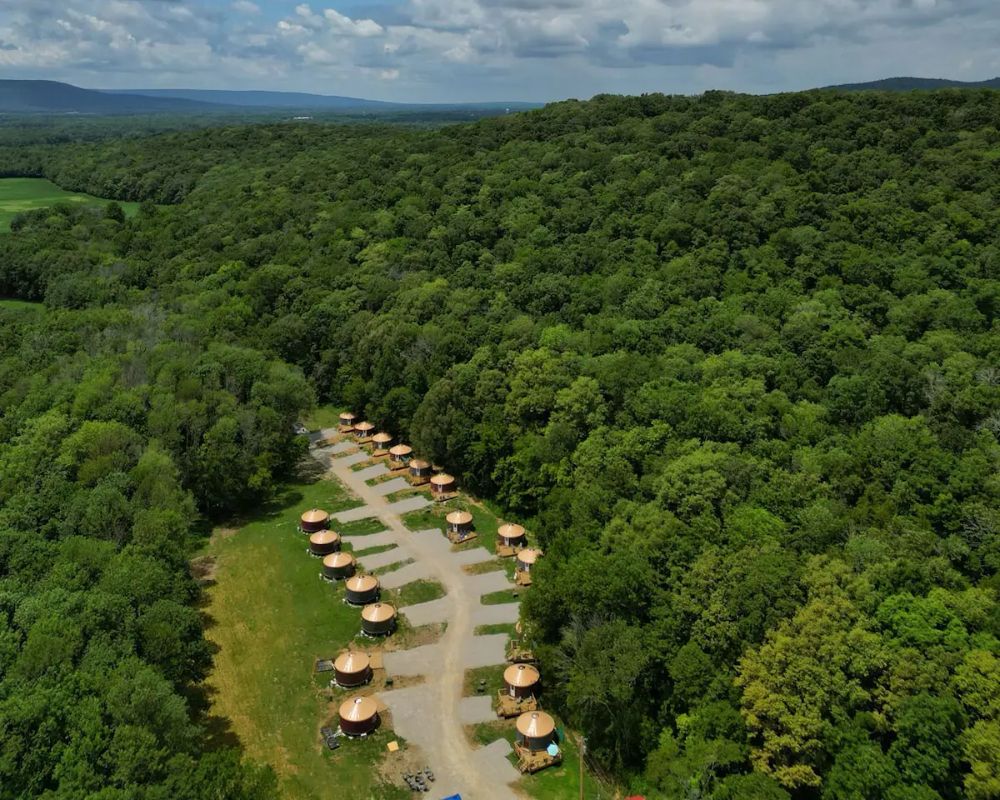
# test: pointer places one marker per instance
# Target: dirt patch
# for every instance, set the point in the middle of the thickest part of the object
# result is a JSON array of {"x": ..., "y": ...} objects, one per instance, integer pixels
[
  {"x": 406, "y": 681},
  {"x": 203, "y": 569},
  {"x": 409, "y": 758}
]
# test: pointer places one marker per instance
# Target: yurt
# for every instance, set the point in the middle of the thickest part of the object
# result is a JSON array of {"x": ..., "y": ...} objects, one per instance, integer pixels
[
  {"x": 322, "y": 543},
  {"x": 511, "y": 535},
  {"x": 536, "y": 730},
  {"x": 363, "y": 430},
  {"x": 315, "y": 519},
  {"x": 378, "y": 619},
  {"x": 358, "y": 716},
  {"x": 361, "y": 590},
  {"x": 352, "y": 669},
  {"x": 459, "y": 522},
  {"x": 442, "y": 484},
  {"x": 399, "y": 455},
  {"x": 381, "y": 440},
  {"x": 521, "y": 680},
  {"x": 526, "y": 559},
  {"x": 420, "y": 471},
  {"x": 337, "y": 566},
  {"x": 347, "y": 421}
]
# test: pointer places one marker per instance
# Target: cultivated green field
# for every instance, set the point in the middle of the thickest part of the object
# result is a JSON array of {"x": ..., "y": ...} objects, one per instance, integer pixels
[{"x": 27, "y": 194}]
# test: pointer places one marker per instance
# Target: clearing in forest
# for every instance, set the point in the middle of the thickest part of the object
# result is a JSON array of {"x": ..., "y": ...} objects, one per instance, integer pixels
[{"x": 27, "y": 194}]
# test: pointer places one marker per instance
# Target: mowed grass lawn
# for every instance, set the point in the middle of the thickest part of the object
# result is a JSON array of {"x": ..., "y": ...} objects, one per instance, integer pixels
[
  {"x": 271, "y": 616},
  {"x": 27, "y": 194}
]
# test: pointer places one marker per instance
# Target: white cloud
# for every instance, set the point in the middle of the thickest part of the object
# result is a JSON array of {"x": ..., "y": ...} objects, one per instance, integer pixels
[{"x": 245, "y": 7}]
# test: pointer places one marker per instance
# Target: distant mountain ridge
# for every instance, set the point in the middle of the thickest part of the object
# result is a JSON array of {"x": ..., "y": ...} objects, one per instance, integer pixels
[
  {"x": 20, "y": 96},
  {"x": 906, "y": 84}
]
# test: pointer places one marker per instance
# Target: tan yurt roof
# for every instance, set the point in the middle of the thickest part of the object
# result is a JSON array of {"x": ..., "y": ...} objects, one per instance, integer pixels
[
  {"x": 324, "y": 537},
  {"x": 532, "y": 724},
  {"x": 443, "y": 479},
  {"x": 459, "y": 518},
  {"x": 362, "y": 583},
  {"x": 511, "y": 531},
  {"x": 338, "y": 560},
  {"x": 378, "y": 612},
  {"x": 346, "y": 415},
  {"x": 358, "y": 709},
  {"x": 419, "y": 463},
  {"x": 400, "y": 450},
  {"x": 521, "y": 675},
  {"x": 364, "y": 426},
  {"x": 382, "y": 437},
  {"x": 352, "y": 662},
  {"x": 528, "y": 555},
  {"x": 314, "y": 515}
]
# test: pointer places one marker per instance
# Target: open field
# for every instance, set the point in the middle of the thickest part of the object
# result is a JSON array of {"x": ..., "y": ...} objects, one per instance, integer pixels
[
  {"x": 270, "y": 616},
  {"x": 27, "y": 194},
  {"x": 20, "y": 305}
]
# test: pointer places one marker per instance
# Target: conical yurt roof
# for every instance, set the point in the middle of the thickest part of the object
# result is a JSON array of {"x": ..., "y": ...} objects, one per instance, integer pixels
[
  {"x": 358, "y": 709},
  {"x": 324, "y": 537},
  {"x": 400, "y": 450},
  {"x": 314, "y": 515},
  {"x": 352, "y": 662},
  {"x": 443, "y": 479},
  {"x": 459, "y": 518},
  {"x": 528, "y": 555},
  {"x": 382, "y": 437},
  {"x": 378, "y": 612},
  {"x": 362, "y": 583},
  {"x": 510, "y": 530},
  {"x": 521, "y": 675},
  {"x": 338, "y": 560},
  {"x": 535, "y": 724}
]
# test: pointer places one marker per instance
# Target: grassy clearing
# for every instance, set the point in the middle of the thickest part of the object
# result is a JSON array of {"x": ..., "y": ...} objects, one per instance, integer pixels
[
  {"x": 511, "y": 595},
  {"x": 269, "y": 616},
  {"x": 368, "y": 551},
  {"x": 20, "y": 305},
  {"x": 501, "y": 627},
  {"x": 493, "y": 676},
  {"x": 422, "y": 591},
  {"x": 493, "y": 565},
  {"x": 360, "y": 527},
  {"x": 322, "y": 417},
  {"x": 27, "y": 194}
]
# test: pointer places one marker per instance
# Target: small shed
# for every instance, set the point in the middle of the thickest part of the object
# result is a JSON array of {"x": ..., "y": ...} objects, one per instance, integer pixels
[
  {"x": 346, "y": 422},
  {"x": 338, "y": 566},
  {"x": 522, "y": 680},
  {"x": 536, "y": 730},
  {"x": 322, "y": 543},
  {"x": 420, "y": 471},
  {"x": 352, "y": 669},
  {"x": 442, "y": 485},
  {"x": 358, "y": 716},
  {"x": 315, "y": 519},
  {"x": 399, "y": 455},
  {"x": 378, "y": 619},
  {"x": 363, "y": 430},
  {"x": 361, "y": 590}
]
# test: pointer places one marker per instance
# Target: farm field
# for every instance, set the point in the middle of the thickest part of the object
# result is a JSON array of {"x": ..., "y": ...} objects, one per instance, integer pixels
[
  {"x": 28, "y": 194},
  {"x": 269, "y": 617}
]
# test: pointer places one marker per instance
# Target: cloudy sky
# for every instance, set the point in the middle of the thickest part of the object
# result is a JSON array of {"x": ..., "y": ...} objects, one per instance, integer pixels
[{"x": 460, "y": 50}]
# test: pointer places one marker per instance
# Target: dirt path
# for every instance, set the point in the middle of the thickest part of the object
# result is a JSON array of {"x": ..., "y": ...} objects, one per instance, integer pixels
[{"x": 476, "y": 774}]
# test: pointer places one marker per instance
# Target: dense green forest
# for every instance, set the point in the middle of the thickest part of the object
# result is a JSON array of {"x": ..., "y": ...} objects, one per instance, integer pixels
[{"x": 736, "y": 361}]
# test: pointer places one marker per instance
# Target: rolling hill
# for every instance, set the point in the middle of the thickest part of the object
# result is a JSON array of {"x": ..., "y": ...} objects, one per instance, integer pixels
[
  {"x": 53, "y": 97},
  {"x": 907, "y": 84}
]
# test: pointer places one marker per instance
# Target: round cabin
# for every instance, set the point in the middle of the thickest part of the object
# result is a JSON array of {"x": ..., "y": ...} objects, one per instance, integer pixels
[
  {"x": 361, "y": 590},
  {"x": 352, "y": 669},
  {"x": 400, "y": 453},
  {"x": 536, "y": 730},
  {"x": 382, "y": 440},
  {"x": 338, "y": 566},
  {"x": 322, "y": 543},
  {"x": 315, "y": 519},
  {"x": 459, "y": 522},
  {"x": 521, "y": 680},
  {"x": 442, "y": 484},
  {"x": 420, "y": 470},
  {"x": 378, "y": 619},
  {"x": 358, "y": 716},
  {"x": 511, "y": 535},
  {"x": 526, "y": 559},
  {"x": 347, "y": 421},
  {"x": 363, "y": 430}
]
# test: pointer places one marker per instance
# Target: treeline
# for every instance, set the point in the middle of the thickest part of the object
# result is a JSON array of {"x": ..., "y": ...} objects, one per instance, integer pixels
[{"x": 735, "y": 359}]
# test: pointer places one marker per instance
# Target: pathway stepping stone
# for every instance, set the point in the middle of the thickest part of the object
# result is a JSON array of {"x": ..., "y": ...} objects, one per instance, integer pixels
[
  {"x": 373, "y": 471},
  {"x": 407, "y": 574},
  {"x": 496, "y": 615},
  {"x": 483, "y": 651},
  {"x": 426, "y": 613},
  {"x": 408, "y": 504},
  {"x": 394, "y": 485},
  {"x": 353, "y": 458}
]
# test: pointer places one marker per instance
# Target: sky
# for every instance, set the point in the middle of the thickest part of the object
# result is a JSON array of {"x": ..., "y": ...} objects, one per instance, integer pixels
[{"x": 469, "y": 50}]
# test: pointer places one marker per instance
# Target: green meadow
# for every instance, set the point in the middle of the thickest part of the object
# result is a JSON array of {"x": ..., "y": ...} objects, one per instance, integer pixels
[{"x": 27, "y": 194}]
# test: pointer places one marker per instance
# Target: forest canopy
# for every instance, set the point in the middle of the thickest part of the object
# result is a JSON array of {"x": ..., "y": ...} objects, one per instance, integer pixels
[{"x": 735, "y": 360}]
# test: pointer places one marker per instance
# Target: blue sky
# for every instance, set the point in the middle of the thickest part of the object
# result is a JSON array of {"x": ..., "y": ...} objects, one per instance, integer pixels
[{"x": 463, "y": 50}]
